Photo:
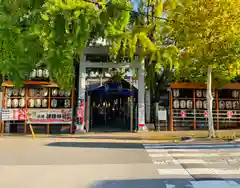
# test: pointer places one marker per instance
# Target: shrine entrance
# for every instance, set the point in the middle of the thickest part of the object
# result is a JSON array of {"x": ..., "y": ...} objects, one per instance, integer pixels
[{"x": 110, "y": 107}]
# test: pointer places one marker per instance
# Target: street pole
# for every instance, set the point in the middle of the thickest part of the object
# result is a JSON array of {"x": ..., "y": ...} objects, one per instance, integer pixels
[{"x": 131, "y": 101}]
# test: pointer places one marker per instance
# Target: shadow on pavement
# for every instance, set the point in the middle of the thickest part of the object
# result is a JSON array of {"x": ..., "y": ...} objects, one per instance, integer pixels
[
  {"x": 97, "y": 145},
  {"x": 125, "y": 145},
  {"x": 167, "y": 183}
]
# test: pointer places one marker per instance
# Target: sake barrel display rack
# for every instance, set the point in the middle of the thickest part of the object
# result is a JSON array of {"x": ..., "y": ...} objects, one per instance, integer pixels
[
  {"x": 188, "y": 107},
  {"x": 39, "y": 103}
]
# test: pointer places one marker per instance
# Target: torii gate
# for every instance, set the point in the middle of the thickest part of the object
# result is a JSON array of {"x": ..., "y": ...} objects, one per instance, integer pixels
[{"x": 137, "y": 65}]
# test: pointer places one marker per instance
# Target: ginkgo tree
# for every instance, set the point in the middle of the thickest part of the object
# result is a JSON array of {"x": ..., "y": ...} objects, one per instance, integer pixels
[
  {"x": 54, "y": 33},
  {"x": 208, "y": 34}
]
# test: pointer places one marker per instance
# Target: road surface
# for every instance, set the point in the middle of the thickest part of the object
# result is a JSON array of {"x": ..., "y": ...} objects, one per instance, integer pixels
[{"x": 70, "y": 163}]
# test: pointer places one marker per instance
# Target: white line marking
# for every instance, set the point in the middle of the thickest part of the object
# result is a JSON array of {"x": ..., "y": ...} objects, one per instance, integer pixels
[
  {"x": 225, "y": 171},
  {"x": 193, "y": 154},
  {"x": 172, "y": 171},
  {"x": 157, "y": 146},
  {"x": 197, "y": 171}
]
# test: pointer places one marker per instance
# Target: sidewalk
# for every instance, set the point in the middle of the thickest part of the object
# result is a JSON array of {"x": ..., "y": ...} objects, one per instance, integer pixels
[{"x": 140, "y": 137}]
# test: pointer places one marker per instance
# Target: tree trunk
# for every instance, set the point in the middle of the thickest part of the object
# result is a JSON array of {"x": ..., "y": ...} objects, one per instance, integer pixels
[{"x": 209, "y": 103}]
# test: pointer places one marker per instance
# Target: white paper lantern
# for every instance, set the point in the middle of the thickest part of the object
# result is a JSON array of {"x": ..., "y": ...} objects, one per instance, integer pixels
[
  {"x": 221, "y": 104},
  {"x": 9, "y": 103},
  {"x": 9, "y": 92},
  {"x": 45, "y": 73},
  {"x": 15, "y": 92},
  {"x": 54, "y": 92},
  {"x": 33, "y": 73},
  {"x": 22, "y": 102},
  {"x": 39, "y": 73},
  {"x": 176, "y": 92},
  {"x": 235, "y": 93},
  {"x": 22, "y": 92},
  {"x": 176, "y": 103},
  {"x": 189, "y": 104},
  {"x": 67, "y": 103},
  {"x": 235, "y": 105},
  {"x": 44, "y": 92},
  {"x": 199, "y": 104},
  {"x": 183, "y": 104},
  {"x": 199, "y": 93},
  {"x": 37, "y": 103},
  {"x": 61, "y": 93},
  {"x": 15, "y": 103},
  {"x": 44, "y": 103},
  {"x": 54, "y": 103},
  {"x": 31, "y": 103},
  {"x": 67, "y": 93},
  {"x": 205, "y": 104},
  {"x": 229, "y": 104},
  {"x": 31, "y": 92},
  {"x": 204, "y": 93}
]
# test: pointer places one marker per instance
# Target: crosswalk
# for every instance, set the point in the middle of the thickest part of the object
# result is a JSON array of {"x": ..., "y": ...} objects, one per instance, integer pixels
[{"x": 218, "y": 164}]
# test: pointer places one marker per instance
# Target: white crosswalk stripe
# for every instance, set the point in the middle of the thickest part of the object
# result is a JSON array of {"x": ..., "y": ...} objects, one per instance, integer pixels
[{"x": 198, "y": 161}]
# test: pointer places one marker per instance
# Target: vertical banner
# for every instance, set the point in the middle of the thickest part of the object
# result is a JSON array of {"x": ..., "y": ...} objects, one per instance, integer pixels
[{"x": 80, "y": 114}]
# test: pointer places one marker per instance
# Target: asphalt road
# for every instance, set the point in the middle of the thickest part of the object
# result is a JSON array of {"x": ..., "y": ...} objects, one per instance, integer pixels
[
  {"x": 26, "y": 163},
  {"x": 71, "y": 163}
]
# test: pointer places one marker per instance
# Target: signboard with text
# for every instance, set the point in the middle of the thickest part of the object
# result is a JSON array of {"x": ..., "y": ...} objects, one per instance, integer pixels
[
  {"x": 49, "y": 116},
  {"x": 13, "y": 114}
]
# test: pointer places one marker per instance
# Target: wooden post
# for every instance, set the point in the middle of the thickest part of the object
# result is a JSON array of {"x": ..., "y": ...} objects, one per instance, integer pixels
[
  {"x": 72, "y": 106},
  {"x": 49, "y": 106},
  {"x": 194, "y": 109},
  {"x": 3, "y": 106},
  {"x": 171, "y": 112},
  {"x": 26, "y": 108},
  {"x": 217, "y": 109}
]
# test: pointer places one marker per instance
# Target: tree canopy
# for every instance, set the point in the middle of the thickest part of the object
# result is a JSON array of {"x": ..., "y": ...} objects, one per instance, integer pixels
[
  {"x": 55, "y": 32},
  {"x": 208, "y": 33}
]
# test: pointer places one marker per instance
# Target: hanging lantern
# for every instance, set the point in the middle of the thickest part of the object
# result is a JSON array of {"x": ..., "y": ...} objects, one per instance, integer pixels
[
  {"x": 9, "y": 103},
  {"x": 176, "y": 93},
  {"x": 199, "y": 93},
  {"x": 15, "y": 103},
  {"x": 37, "y": 103},
  {"x": 221, "y": 104},
  {"x": 54, "y": 92},
  {"x": 204, "y": 93},
  {"x": 61, "y": 93},
  {"x": 22, "y": 92},
  {"x": 45, "y": 73},
  {"x": 54, "y": 103},
  {"x": 44, "y": 92},
  {"x": 31, "y": 92},
  {"x": 39, "y": 73},
  {"x": 31, "y": 103},
  {"x": 15, "y": 92},
  {"x": 199, "y": 104},
  {"x": 235, "y": 105},
  {"x": 22, "y": 102},
  {"x": 67, "y": 93},
  {"x": 229, "y": 104},
  {"x": 234, "y": 93},
  {"x": 205, "y": 104},
  {"x": 176, "y": 103},
  {"x": 33, "y": 73},
  {"x": 44, "y": 103},
  {"x": 9, "y": 92},
  {"x": 183, "y": 104},
  {"x": 67, "y": 103},
  {"x": 189, "y": 104}
]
